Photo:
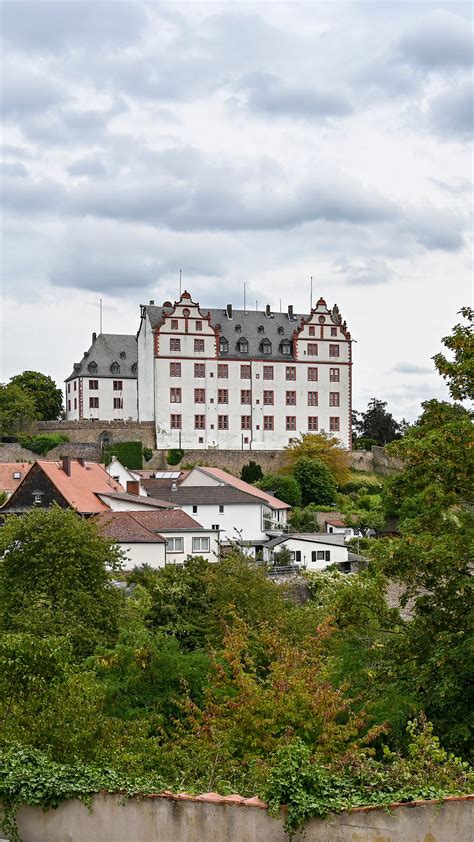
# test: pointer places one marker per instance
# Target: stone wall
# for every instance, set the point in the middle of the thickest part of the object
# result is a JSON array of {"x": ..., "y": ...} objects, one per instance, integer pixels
[
  {"x": 93, "y": 431},
  {"x": 211, "y": 818},
  {"x": 16, "y": 453},
  {"x": 229, "y": 460}
]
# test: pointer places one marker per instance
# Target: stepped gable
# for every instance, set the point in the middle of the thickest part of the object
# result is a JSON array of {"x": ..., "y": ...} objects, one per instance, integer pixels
[{"x": 105, "y": 350}]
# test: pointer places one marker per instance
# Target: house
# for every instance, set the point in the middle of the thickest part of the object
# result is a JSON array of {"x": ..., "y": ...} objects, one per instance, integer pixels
[
  {"x": 244, "y": 515},
  {"x": 11, "y": 474},
  {"x": 104, "y": 383},
  {"x": 311, "y": 551},
  {"x": 84, "y": 486},
  {"x": 337, "y": 526},
  {"x": 158, "y": 537},
  {"x": 131, "y": 480}
]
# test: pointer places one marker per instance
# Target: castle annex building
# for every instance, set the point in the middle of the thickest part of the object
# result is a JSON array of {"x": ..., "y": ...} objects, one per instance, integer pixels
[{"x": 227, "y": 379}]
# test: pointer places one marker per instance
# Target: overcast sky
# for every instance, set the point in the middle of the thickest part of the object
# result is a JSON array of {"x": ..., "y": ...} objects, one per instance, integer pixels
[{"x": 258, "y": 142}]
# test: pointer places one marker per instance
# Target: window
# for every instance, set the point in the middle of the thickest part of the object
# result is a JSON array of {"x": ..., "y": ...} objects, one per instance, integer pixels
[
  {"x": 312, "y": 398},
  {"x": 222, "y": 370},
  {"x": 334, "y": 350},
  {"x": 200, "y": 545},
  {"x": 175, "y": 395},
  {"x": 290, "y": 372},
  {"x": 175, "y": 422},
  {"x": 268, "y": 398},
  {"x": 334, "y": 331},
  {"x": 291, "y": 422},
  {"x": 285, "y": 347},
  {"x": 221, "y": 509},
  {"x": 334, "y": 424},
  {"x": 94, "y": 385},
  {"x": 175, "y": 344},
  {"x": 174, "y": 324},
  {"x": 199, "y": 396},
  {"x": 321, "y": 555},
  {"x": 115, "y": 368},
  {"x": 312, "y": 373},
  {"x": 174, "y": 545},
  {"x": 312, "y": 330},
  {"x": 245, "y": 396},
  {"x": 175, "y": 369},
  {"x": 243, "y": 346},
  {"x": 199, "y": 369},
  {"x": 222, "y": 396},
  {"x": 312, "y": 423},
  {"x": 266, "y": 346},
  {"x": 16, "y": 474},
  {"x": 268, "y": 372},
  {"x": 312, "y": 349},
  {"x": 198, "y": 345},
  {"x": 246, "y": 422},
  {"x": 333, "y": 398},
  {"x": 123, "y": 355},
  {"x": 75, "y": 403},
  {"x": 69, "y": 387},
  {"x": 268, "y": 422},
  {"x": 222, "y": 422},
  {"x": 37, "y": 496},
  {"x": 69, "y": 406},
  {"x": 291, "y": 398},
  {"x": 215, "y": 527},
  {"x": 199, "y": 422},
  {"x": 245, "y": 372},
  {"x": 93, "y": 403},
  {"x": 118, "y": 403},
  {"x": 118, "y": 385},
  {"x": 199, "y": 325},
  {"x": 223, "y": 345},
  {"x": 334, "y": 375},
  {"x": 92, "y": 368},
  {"x": 195, "y": 510},
  {"x": 75, "y": 383}
]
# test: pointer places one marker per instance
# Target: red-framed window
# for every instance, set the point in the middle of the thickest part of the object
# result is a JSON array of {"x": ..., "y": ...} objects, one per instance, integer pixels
[
  {"x": 312, "y": 423},
  {"x": 175, "y": 369},
  {"x": 312, "y": 349},
  {"x": 245, "y": 396},
  {"x": 268, "y": 372},
  {"x": 199, "y": 369},
  {"x": 175, "y": 395},
  {"x": 268, "y": 397},
  {"x": 334, "y": 350},
  {"x": 312, "y": 373},
  {"x": 291, "y": 398},
  {"x": 198, "y": 345},
  {"x": 334, "y": 424},
  {"x": 334, "y": 398},
  {"x": 291, "y": 422},
  {"x": 199, "y": 396},
  {"x": 268, "y": 422},
  {"x": 312, "y": 398},
  {"x": 334, "y": 375},
  {"x": 246, "y": 422},
  {"x": 222, "y": 396},
  {"x": 199, "y": 422},
  {"x": 175, "y": 422},
  {"x": 245, "y": 372},
  {"x": 175, "y": 344},
  {"x": 222, "y": 370},
  {"x": 223, "y": 422}
]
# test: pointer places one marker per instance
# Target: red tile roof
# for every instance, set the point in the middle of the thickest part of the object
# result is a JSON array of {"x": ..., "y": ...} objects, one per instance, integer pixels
[
  {"x": 167, "y": 519},
  {"x": 81, "y": 487},
  {"x": 124, "y": 527},
  {"x": 228, "y": 479},
  {"x": 8, "y": 482},
  {"x": 335, "y": 522}
]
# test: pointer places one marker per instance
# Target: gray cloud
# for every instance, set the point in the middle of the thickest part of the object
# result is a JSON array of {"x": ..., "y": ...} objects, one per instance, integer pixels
[
  {"x": 411, "y": 368},
  {"x": 15, "y": 168},
  {"x": 440, "y": 39},
  {"x": 451, "y": 112},
  {"x": 89, "y": 166},
  {"x": 27, "y": 91},
  {"x": 268, "y": 94},
  {"x": 367, "y": 273}
]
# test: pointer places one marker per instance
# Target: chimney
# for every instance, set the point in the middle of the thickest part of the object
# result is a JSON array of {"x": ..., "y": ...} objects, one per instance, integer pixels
[
  {"x": 67, "y": 465},
  {"x": 81, "y": 462},
  {"x": 290, "y": 312},
  {"x": 267, "y": 311},
  {"x": 229, "y": 311},
  {"x": 94, "y": 337},
  {"x": 152, "y": 301},
  {"x": 133, "y": 486}
]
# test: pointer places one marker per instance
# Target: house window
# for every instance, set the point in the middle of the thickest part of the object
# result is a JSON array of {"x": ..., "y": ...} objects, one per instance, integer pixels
[
  {"x": 175, "y": 344},
  {"x": 199, "y": 422},
  {"x": 222, "y": 370},
  {"x": 200, "y": 545},
  {"x": 334, "y": 331},
  {"x": 198, "y": 345},
  {"x": 221, "y": 509},
  {"x": 245, "y": 372},
  {"x": 243, "y": 346},
  {"x": 93, "y": 403},
  {"x": 321, "y": 555},
  {"x": 223, "y": 345},
  {"x": 290, "y": 372},
  {"x": 246, "y": 422},
  {"x": 334, "y": 375},
  {"x": 268, "y": 372},
  {"x": 312, "y": 398},
  {"x": 312, "y": 373},
  {"x": 312, "y": 330},
  {"x": 333, "y": 398},
  {"x": 92, "y": 368},
  {"x": 334, "y": 424},
  {"x": 268, "y": 422},
  {"x": 175, "y": 369},
  {"x": 93, "y": 385},
  {"x": 199, "y": 396},
  {"x": 268, "y": 398},
  {"x": 198, "y": 325},
  {"x": 222, "y": 396},
  {"x": 174, "y": 324},
  {"x": 312, "y": 349},
  {"x": 195, "y": 510},
  {"x": 291, "y": 422},
  {"x": 75, "y": 382},
  {"x": 285, "y": 347},
  {"x": 118, "y": 403},
  {"x": 175, "y": 422},
  {"x": 75, "y": 403},
  {"x": 215, "y": 527},
  {"x": 334, "y": 350},
  {"x": 291, "y": 398},
  {"x": 69, "y": 406},
  {"x": 245, "y": 396},
  {"x": 115, "y": 368},
  {"x": 199, "y": 369},
  {"x": 37, "y": 497},
  {"x": 118, "y": 385},
  {"x": 175, "y": 395},
  {"x": 266, "y": 346},
  {"x": 68, "y": 387},
  {"x": 174, "y": 545},
  {"x": 222, "y": 422},
  {"x": 312, "y": 423}
]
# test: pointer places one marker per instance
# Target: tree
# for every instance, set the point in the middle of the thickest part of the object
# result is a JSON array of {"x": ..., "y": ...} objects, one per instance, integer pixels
[
  {"x": 376, "y": 423},
  {"x": 54, "y": 578},
  {"x": 17, "y": 409},
  {"x": 251, "y": 472},
  {"x": 284, "y": 487},
  {"x": 316, "y": 482},
  {"x": 460, "y": 372},
  {"x": 318, "y": 446},
  {"x": 48, "y": 399},
  {"x": 304, "y": 519}
]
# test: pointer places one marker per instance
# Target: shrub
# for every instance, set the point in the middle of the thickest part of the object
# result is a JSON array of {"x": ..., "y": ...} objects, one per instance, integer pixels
[
  {"x": 174, "y": 456},
  {"x": 251, "y": 472},
  {"x": 284, "y": 487},
  {"x": 129, "y": 453},
  {"x": 42, "y": 444},
  {"x": 316, "y": 481},
  {"x": 147, "y": 453}
]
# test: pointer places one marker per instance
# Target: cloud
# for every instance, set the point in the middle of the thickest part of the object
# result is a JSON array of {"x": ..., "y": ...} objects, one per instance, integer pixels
[
  {"x": 451, "y": 112},
  {"x": 411, "y": 368},
  {"x": 27, "y": 91},
  {"x": 88, "y": 166},
  {"x": 440, "y": 39},
  {"x": 270, "y": 95},
  {"x": 15, "y": 169},
  {"x": 71, "y": 125},
  {"x": 367, "y": 273}
]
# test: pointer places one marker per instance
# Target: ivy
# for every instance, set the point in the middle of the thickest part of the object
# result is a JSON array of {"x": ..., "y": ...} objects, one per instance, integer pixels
[{"x": 129, "y": 453}]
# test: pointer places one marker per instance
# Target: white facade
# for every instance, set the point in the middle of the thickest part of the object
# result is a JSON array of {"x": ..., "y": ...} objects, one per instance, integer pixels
[
  {"x": 237, "y": 523},
  {"x": 124, "y": 475},
  {"x": 309, "y": 552},
  {"x": 178, "y": 546},
  {"x": 104, "y": 398}
]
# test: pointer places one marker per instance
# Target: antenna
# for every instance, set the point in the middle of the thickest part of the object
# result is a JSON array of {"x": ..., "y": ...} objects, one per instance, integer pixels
[
  {"x": 244, "y": 296},
  {"x": 180, "y": 284},
  {"x": 311, "y": 296},
  {"x": 256, "y": 305},
  {"x": 100, "y": 310},
  {"x": 280, "y": 305}
]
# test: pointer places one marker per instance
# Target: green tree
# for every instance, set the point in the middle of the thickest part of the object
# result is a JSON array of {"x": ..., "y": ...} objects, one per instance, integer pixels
[
  {"x": 304, "y": 519},
  {"x": 376, "y": 423},
  {"x": 318, "y": 446},
  {"x": 316, "y": 482},
  {"x": 282, "y": 486},
  {"x": 251, "y": 472},
  {"x": 54, "y": 578},
  {"x": 17, "y": 409},
  {"x": 48, "y": 399},
  {"x": 459, "y": 372}
]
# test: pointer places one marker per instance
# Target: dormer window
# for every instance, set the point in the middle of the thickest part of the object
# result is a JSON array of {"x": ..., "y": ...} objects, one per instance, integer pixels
[
  {"x": 134, "y": 368},
  {"x": 77, "y": 367},
  {"x": 238, "y": 328},
  {"x": 266, "y": 346},
  {"x": 261, "y": 329},
  {"x": 243, "y": 345},
  {"x": 223, "y": 345},
  {"x": 115, "y": 368},
  {"x": 123, "y": 355},
  {"x": 92, "y": 367},
  {"x": 281, "y": 330},
  {"x": 285, "y": 347}
]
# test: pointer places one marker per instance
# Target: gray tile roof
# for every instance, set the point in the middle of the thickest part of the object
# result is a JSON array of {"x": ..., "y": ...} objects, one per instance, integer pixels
[
  {"x": 199, "y": 495},
  {"x": 106, "y": 349},
  {"x": 314, "y": 537}
]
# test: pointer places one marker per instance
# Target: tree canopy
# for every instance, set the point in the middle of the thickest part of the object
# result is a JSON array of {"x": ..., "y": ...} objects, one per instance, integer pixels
[
  {"x": 376, "y": 424},
  {"x": 284, "y": 487},
  {"x": 17, "y": 409},
  {"x": 47, "y": 398},
  {"x": 459, "y": 372},
  {"x": 316, "y": 482},
  {"x": 320, "y": 446}
]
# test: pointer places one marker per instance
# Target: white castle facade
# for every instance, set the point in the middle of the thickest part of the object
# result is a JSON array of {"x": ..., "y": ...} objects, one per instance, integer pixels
[{"x": 222, "y": 378}]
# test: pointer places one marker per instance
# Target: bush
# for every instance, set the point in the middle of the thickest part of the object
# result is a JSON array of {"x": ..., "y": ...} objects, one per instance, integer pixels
[
  {"x": 147, "y": 453},
  {"x": 284, "y": 487},
  {"x": 42, "y": 444},
  {"x": 364, "y": 443},
  {"x": 174, "y": 456},
  {"x": 129, "y": 453},
  {"x": 251, "y": 472},
  {"x": 316, "y": 481}
]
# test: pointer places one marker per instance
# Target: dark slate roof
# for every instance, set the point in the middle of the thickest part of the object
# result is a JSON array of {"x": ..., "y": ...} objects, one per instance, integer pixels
[
  {"x": 314, "y": 537},
  {"x": 105, "y": 350},
  {"x": 137, "y": 498},
  {"x": 199, "y": 495}
]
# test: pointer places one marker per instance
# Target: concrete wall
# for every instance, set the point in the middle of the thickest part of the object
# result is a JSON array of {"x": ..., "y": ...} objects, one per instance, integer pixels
[{"x": 210, "y": 818}]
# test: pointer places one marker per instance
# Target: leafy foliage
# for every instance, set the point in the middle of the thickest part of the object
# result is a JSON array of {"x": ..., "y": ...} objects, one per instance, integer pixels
[
  {"x": 42, "y": 443},
  {"x": 251, "y": 472},
  {"x": 315, "y": 481},
  {"x": 459, "y": 372},
  {"x": 129, "y": 453},
  {"x": 174, "y": 456},
  {"x": 284, "y": 487},
  {"x": 17, "y": 408},
  {"x": 321, "y": 446},
  {"x": 147, "y": 453},
  {"x": 376, "y": 424},
  {"x": 47, "y": 398}
]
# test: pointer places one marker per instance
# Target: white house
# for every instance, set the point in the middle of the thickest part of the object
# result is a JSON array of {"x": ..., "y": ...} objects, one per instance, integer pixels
[
  {"x": 130, "y": 480},
  {"x": 311, "y": 551},
  {"x": 103, "y": 385},
  {"x": 337, "y": 526}
]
